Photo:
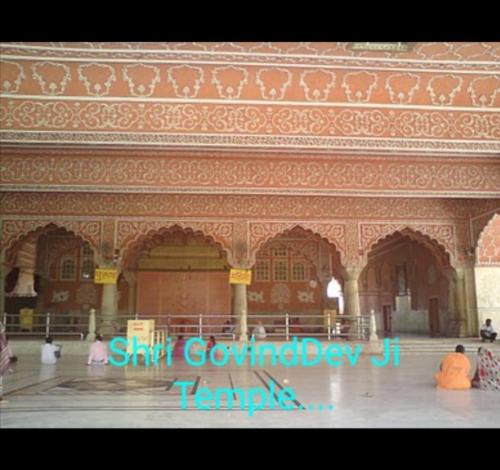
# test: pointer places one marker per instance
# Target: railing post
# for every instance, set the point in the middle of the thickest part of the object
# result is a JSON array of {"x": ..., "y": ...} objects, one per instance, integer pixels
[
  {"x": 373, "y": 327},
  {"x": 329, "y": 326},
  {"x": 151, "y": 342},
  {"x": 287, "y": 324},
  {"x": 47, "y": 325},
  {"x": 201, "y": 326},
  {"x": 5, "y": 320},
  {"x": 92, "y": 325}
]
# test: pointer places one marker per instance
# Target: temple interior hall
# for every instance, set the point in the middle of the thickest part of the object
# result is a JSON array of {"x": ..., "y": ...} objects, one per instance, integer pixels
[{"x": 342, "y": 191}]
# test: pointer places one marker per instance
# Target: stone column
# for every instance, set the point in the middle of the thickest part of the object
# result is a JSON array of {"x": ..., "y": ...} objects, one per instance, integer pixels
[
  {"x": 471, "y": 312},
  {"x": 351, "y": 291},
  {"x": 240, "y": 310},
  {"x": 452, "y": 294},
  {"x": 109, "y": 308},
  {"x": 42, "y": 293},
  {"x": 460, "y": 302},
  {"x": 3, "y": 275},
  {"x": 131, "y": 279},
  {"x": 91, "y": 334}
]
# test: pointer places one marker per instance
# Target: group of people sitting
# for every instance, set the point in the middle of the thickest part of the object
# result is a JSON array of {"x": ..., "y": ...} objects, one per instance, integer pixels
[
  {"x": 455, "y": 368},
  {"x": 453, "y": 374},
  {"x": 98, "y": 353},
  {"x": 258, "y": 332},
  {"x": 180, "y": 347}
]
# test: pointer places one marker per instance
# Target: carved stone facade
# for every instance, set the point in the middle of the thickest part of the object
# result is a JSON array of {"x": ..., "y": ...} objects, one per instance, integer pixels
[
  {"x": 488, "y": 249},
  {"x": 437, "y": 98},
  {"x": 244, "y": 142},
  {"x": 243, "y": 173}
]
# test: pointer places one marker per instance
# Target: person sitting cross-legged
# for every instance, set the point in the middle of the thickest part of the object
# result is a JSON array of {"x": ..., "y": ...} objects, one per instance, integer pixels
[
  {"x": 50, "y": 352},
  {"x": 259, "y": 332},
  {"x": 454, "y": 371},
  {"x": 179, "y": 348},
  {"x": 98, "y": 354},
  {"x": 487, "y": 332}
]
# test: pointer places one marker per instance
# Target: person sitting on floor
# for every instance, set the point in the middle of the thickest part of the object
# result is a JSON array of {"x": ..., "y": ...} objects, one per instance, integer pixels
[
  {"x": 179, "y": 347},
  {"x": 487, "y": 375},
  {"x": 211, "y": 343},
  {"x": 229, "y": 327},
  {"x": 259, "y": 332},
  {"x": 487, "y": 331},
  {"x": 98, "y": 352},
  {"x": 454, "y": 371},
  {"x": 50, "y": 352}
]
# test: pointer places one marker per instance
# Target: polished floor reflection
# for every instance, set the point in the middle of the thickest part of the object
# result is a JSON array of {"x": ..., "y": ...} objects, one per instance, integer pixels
[{"x": 71, "y": 394}]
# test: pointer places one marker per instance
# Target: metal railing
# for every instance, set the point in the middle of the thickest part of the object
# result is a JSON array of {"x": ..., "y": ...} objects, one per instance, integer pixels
[
  {"x": 277, "y": 326},
  {"x": 57, "y": 324}
]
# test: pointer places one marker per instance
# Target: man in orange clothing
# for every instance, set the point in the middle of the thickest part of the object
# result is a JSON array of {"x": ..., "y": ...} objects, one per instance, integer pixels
[{"x": 454, "y": 371}]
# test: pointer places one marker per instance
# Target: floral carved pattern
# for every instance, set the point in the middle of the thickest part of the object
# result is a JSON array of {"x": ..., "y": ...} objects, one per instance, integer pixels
[
  {"x": 248, "y": 206},
  {"x": 97, "y": 78},
  {"x": 52, "y": 77},
  {"x": 484, "y": 91},
  {"x": 12, "y": 76},
  {"x": 488, "y": 248},
  {"x": 273, "y": 83},
  {"x": 186, "y": 80},
  {"x": 141, "y": 79},
  {"x": 315, "y": 51},
  {"x": 261, "y": 232},
  {"x": 312, "y": 175},
  {"x": 278, "y": 120}
]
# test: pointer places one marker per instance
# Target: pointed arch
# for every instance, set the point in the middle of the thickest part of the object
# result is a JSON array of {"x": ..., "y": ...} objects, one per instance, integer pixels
[
  {"x": 262, "y": 232},
  {"x": 134, "y": 235},
  {"x": 16, "y": 232},
  {"x": 438, "y": 238},
  {"x": 488, "y": 244}
]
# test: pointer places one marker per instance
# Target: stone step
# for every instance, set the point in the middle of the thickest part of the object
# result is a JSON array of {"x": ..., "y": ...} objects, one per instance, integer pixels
[{"x": 470, "y": 348}]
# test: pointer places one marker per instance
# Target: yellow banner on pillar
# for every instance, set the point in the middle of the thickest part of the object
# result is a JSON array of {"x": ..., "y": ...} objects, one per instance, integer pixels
[
  {"x": 26, "y": 319},
  {"x": 240, "y": 276},
  {"x": 105, "y": 276}
]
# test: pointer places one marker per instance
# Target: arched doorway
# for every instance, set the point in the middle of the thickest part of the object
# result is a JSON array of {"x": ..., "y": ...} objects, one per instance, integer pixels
[
  {"x": 335, "y": 293},
  {"x": 51, "y": 271},
  {"x": 406, "y": 282},
  {"x": 289, "y": 280},
  {"x": 180, "y": 275},
  {"x": 487, "y": 273}
]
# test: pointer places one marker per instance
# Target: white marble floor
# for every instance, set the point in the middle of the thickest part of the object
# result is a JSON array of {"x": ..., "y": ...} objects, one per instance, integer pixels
[{"x": 73, "y": 395}]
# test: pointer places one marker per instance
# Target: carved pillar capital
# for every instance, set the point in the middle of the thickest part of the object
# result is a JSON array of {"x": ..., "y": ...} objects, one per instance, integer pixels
[{"x": 352, "y": 273}]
